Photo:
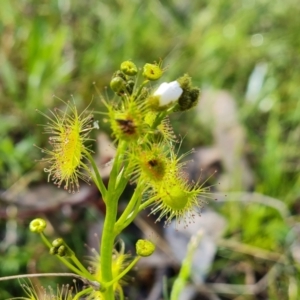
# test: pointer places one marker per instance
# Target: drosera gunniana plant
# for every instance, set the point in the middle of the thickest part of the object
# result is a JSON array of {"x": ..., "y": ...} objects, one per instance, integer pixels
[{"x": 146, "y": 156}]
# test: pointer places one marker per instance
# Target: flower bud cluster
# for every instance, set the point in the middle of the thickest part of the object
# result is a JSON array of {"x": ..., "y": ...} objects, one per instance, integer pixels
[
  {"x": 190, "y": 95},
  {"x": 141, "y": 112},
  {"x": 60, "y": 248},
  {"x": 121, "y": 83},
  {"x": 127, "y": 117}
]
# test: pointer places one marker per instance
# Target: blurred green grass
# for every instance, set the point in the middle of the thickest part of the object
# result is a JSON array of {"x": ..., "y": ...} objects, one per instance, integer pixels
[{"x": 62, "y": 47}]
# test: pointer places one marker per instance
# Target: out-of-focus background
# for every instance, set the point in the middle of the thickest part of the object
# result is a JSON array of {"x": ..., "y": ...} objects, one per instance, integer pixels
[{"x": 244, "y": 55}]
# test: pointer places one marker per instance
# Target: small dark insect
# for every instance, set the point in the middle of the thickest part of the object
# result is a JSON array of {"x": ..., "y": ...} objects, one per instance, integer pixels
[
  {"x": 152, "y": 162},
  {"x": 127, "y": 126}
]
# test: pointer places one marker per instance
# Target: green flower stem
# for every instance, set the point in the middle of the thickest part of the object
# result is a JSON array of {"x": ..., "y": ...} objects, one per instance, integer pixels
[
  {"x": 121, "y": 183},
  {"x": 83, "y": 292},
  {"x": 116, "y": 167},
  {"x": 63, "y": 260},
  {"x": 140, "y": 88},
  {"x": 132, "y": 216},
  {"x": 120, "y": 154},
  {"x": 130, "y": 208},
  {"x": 160, "y": 116},
  {"x": 146, "y": 204},
  {"x": 125, "y": 271},
  {"x": 107, "y": 242},
  {"x": 121, "y": 293},
  {"x": 46, "y": 242},
  {"x": 70, "y": 266},
  {"x": 86, "y": 273},
  {"x": 98, "y": 180}
]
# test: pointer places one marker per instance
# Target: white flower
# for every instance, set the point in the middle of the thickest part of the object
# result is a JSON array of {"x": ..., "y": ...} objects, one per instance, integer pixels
[{"x": 168, "y": 93}]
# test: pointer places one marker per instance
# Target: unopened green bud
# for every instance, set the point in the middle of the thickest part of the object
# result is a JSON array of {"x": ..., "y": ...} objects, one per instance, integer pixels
[
  {"x": 185, "y": 82},
  {"x": 188, "y": 99},
  {"x": 144, "y": 93},
  {"x": 61, "y": 251},
  {"x": 120, "y": 74},
  {"x": 118, "y": 85},
  {"x": 152, "y": 71},
  {"x": 190, "y": 95},
  {"x": 129, "y": 68},
  {"x": 144, "y": 248},
  {"x": 37, "y": 225},
  {"x": 60, "y": 248},
  {"x": 53, "y": 251},
  {"x": 58, "y": 242},
  {"x": 129, "y": 86},
  {"x": 195, "y": 93}
]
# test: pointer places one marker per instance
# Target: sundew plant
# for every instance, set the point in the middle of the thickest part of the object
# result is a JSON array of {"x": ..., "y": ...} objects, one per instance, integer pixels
[{"x": 147, "y": 157}]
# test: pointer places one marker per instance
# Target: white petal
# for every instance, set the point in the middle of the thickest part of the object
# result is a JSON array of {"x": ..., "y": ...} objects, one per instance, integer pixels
[{"x": 168, "y": 92}]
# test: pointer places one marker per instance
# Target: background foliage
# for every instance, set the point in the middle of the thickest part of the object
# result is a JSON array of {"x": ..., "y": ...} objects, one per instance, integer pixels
[{"x": 250, "y": 48}]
